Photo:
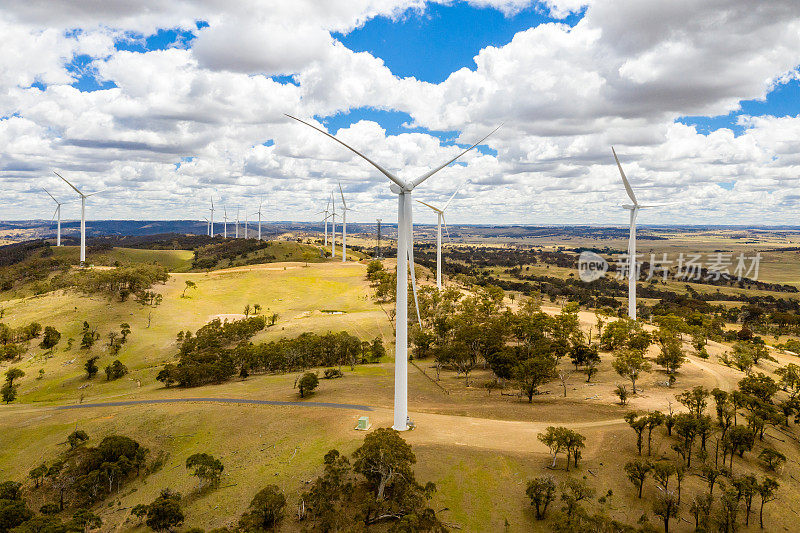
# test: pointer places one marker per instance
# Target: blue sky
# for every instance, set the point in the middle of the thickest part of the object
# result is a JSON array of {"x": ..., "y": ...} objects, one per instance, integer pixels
[{"x": 429, "y": 46}]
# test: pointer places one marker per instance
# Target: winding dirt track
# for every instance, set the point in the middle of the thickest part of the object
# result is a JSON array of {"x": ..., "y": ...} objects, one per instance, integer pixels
[{"x": 432, "y": 428}]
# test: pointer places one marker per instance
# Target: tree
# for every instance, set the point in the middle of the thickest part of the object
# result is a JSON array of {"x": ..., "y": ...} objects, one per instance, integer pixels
[
  {"x": 115, "y": 370},
  {"x": 747, "y": 487},
  {"x": 662, "y": 471},
  {"x": 542, "y": 492},
  {"x": 686, "y": 427},
  {"x": 701, "y": 510},
  {"x": 188, "y": 285},
  {"x": 652, "y": 420},
  {"x": 86, "y": 520},
  {"x": 247, "y": 310},
  {"x": 622, "y": 393},
  {"x": 8, "y": 392},
  {"x": 563, "y": 376},
  {"x": 12, "y": 374},
  {"x": 766, "y": 490},
  {"x": 710, "y": 474},
  {"x": 671, "y": 356},
  {"x": 386, "y": 461},
  {"x": 573, "y": 442},
  {"x": 207, "y": 468},
  {"x": 772, "y": 458},
  {"x": 50, "y": 338},
  {"x": 554, "y": 439},
  {"x": 165, "y": 512},
  {"x": 91, "y": 367},
  {"x": 666, "y": 507},
  {"x": 573, "y": 491},
  {"x": 759, "y": 386},
  {"x": 37, "y": 474},
  {"x": 695, "y": 400},
  {"x": 265, "y": 511},
  {"x": 637, "y": 473},
  {"x": 790, "y": 379},
  {"x": 76, "y": 438},
  {"x": 739, "y": 440},
  {"x": 638, "y": 425},
  {"x": 630, "y": 364},
  {"x": 307, "y": 383},
  {"x": 533, "y": 372}
]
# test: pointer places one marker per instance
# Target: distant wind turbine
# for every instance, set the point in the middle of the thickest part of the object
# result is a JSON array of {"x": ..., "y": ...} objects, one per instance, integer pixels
[
  {"x": 237, "y": 221},
  {"x": 225, "y": 222},
  {"x": 211, "y": 222},
  {"x": 259, "y": 217},
  {"x": 405, "y": 261},
  {"x": 333, "y": 226},
  {"x": 345, "y": 209},
  {"x": 633, "y": 274},
  {"x": 440, "y": 220},
  {"x": 57, "y": 213},
  {"x": 83, "y": 216},
  {"x": 326, "y": 212}
]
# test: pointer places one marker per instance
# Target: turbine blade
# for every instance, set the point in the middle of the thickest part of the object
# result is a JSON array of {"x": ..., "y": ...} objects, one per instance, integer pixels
[
  {"x": 429, "y": 205},
  {"x": 454, "y": 194},
  {"x": 382, "y": 170},
  {"x": 437, "y": 169},
  {"x": 342, "y": 194},
  {"x": 446, "y": 231},
  {"x": 625, "y": 179},
  {"x": 54, "y": 215},
  {"x": 68, "y": 183},
  {"x": 93, "y": 193},
  {"x": 410, "y": 253},
  {"x": 50, "y": 195}
]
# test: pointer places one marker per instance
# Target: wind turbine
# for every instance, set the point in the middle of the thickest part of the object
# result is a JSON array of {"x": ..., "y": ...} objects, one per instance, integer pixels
[
  {"x": 345, "y": 209},
  {"x": 211, "y": 222},
  {"x": 259, "y": 217},
  {"x": 57, "y": 213},
  {"x": 440, "y": 220},
  {"x": 83, "y": 215},
  {"x": 405, "y": 260},
  {"x": 225, "y": 223},
  {"x": 325, "y": 219},
  {"x": 633, "y": 274},
  {"x": 237, "y": 221},
  {"x": 333, "y": 225}
]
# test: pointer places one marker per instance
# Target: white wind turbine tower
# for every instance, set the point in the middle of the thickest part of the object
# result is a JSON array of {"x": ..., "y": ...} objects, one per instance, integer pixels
[
  {"x": 225, "y": 222},
  {"x": 405, "y": 260},
  {"x": 57, "y": 213},
  {"x": 237, "y": 221},
  {"x": 259, "y": 217},
  {"x": 211, "y": 221},
  {"x": 333, "y": 225},
  {"x": 83, "y": 215},
  {"x": 633, "y": 273},
  {"x": 345, "y": 209},
  {"x": 440, "y": 220}
]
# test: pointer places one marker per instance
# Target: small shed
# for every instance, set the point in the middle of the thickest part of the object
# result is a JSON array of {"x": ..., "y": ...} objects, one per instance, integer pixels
[{"x": 363, "y": 423}]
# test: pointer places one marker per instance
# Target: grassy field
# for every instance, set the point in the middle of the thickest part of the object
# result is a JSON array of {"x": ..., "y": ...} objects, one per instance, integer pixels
[
  {"x": 297, "y": 293},
  {"x": 480, "y": 449},
  {"x": 172, "y": 260}
]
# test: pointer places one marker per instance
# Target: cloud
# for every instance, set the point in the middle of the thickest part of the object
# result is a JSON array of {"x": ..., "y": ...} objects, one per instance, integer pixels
[{"x": 183, "y": 124}]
